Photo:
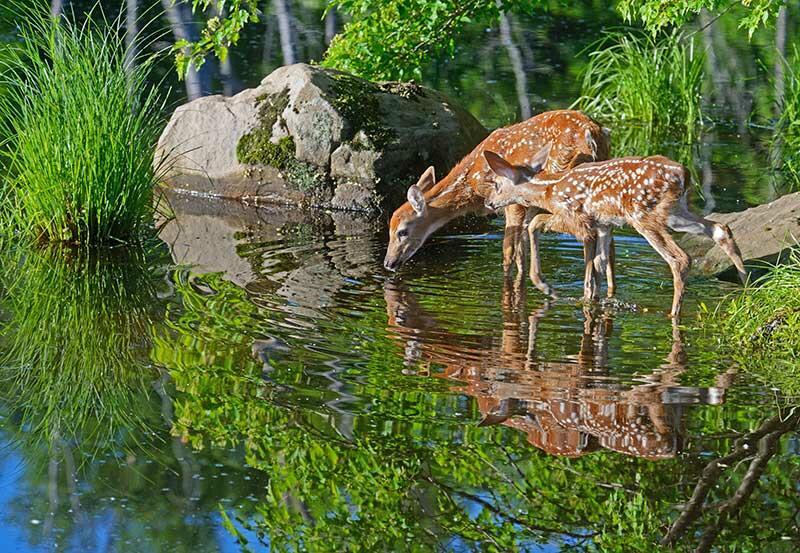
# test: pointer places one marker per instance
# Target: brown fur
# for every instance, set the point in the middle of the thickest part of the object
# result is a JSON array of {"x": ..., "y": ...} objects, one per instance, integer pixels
[
  {"x": 649, "y": 194},
  {"x": 575, "y": 139}
]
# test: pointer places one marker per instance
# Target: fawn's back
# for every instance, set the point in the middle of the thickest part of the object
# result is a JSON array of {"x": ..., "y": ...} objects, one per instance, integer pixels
[{"x": 618, "y": 190}]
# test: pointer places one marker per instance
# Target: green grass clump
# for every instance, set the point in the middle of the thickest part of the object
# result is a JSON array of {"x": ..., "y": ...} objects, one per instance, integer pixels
[
  {"x": 787, "y": 135},
  {"x": 761, "y": 327},
  {"x": 648, "y": 89},
  {"x": 80, "y": 127}
]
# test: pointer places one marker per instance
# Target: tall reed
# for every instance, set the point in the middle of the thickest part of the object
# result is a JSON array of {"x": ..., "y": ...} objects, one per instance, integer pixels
[
  {"x": 648, "y": 88},
  {"x": 80, "y": 126},
  {"x": 786, "y": 144}
]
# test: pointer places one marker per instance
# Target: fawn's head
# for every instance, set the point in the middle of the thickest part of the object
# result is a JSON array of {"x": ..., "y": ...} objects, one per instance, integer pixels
[
  {"x": 506, "y": 189},
  {"x": 409, "y": 226}
]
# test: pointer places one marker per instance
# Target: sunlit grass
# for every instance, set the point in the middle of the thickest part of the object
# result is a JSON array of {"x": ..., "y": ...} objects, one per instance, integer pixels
[
  {"x": 80, "y": 128},
  {"x": 787, "y": 135},
  {"x": 648, "y": 89},
  {"x": 761, "y": 327}
]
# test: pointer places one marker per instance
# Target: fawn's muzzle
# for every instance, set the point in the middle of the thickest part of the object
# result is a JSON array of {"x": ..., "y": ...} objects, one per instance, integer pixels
[{"x": 391, "y": 264}]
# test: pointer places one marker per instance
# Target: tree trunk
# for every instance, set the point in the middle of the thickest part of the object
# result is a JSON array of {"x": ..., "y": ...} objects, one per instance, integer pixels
[
  {"x": 269, "y": 39},
  {"x": 198, "y": 83},
  {"x": 780, "y": 46},
  {"x": 131, "y": 31},
  {"x": 230, "y": 81},
  {"x": 515, "y": 56},
  {"x": 331, "y": 25},
  {"x": 288, "y": 40}
]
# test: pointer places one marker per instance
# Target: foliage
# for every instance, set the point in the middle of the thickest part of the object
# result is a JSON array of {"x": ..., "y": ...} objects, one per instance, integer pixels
[
  {"x": 395, "y": 39},
  {"x": 648, "y": 88},
  {"x": 761, "y": 327},
  {"x": 221, "y": 31},
  {"x": 390, "y": 39},
  {"x": 787, "y": 129},
  {"x": 657, "y": 14},
  {"x": 81, "y": 125}
]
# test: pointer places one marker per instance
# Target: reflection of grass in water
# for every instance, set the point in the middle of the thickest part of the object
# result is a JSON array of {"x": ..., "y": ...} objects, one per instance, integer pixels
[
  {"x": 72, "y": 326},
  {"x": 761, "y": 327},
  {"x": 649, "y": 89}
]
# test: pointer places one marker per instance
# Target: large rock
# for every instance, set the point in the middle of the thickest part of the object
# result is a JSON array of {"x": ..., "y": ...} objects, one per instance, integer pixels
[
  {"x": 312, "y": 136},
  {"x": 763, "y": 234}
]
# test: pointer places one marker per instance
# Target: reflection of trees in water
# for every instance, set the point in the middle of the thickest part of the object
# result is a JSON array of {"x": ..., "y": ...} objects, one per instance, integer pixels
[
  {"x": 396, "y": 461},
  {"x": 507, "y": 397},
  {"x": 758, "y": 447},
  {"x": 75, "y": 334}
]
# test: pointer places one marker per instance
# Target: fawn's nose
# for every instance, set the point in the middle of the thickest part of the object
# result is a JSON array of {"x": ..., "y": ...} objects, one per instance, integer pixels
[{"x": 391, "y": 264}]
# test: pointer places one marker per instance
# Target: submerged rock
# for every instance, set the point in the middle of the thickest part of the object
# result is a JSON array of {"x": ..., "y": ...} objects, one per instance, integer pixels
[
  {"x": 312, "y": 136},
  {"x": 763, "y": 233}
]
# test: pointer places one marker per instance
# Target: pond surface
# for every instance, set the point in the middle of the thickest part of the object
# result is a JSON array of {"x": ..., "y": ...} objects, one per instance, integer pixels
[{"x": 255, "y": 380}]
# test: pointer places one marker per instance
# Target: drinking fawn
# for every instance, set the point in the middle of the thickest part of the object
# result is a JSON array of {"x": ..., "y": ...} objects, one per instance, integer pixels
[
  {"x": 648, "y": 193},
  {"x": 573, "y": 138}
]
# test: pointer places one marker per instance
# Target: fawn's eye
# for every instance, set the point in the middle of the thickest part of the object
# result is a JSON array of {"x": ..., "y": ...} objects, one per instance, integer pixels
[{"x": 402, "y": 233}]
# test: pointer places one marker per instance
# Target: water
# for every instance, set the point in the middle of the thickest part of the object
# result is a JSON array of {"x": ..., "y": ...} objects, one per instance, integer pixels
[
  {"x": 253, "y": 379},
  {"x": 303, "y": 397}
]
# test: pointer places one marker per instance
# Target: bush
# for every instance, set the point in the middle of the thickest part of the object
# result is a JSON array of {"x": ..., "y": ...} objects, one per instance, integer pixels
[
  {"x": 80, "y": 126},
  {"x": 649, "y": 89}
]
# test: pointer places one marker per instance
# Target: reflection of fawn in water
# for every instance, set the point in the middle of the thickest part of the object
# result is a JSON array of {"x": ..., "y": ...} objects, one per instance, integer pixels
[{"x": 566, "y": 408}]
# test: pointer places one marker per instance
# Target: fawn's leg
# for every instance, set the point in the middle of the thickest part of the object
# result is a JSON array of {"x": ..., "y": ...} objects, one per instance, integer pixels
[
  {"x": 512, "y": 241},
  {"x": 683, "y": 220},
  {"x": 611, "y": 279},
  {"x": 603, "y": 260},
  {"x": 534, "y": 228},
  {"x": 677, "y": 259},
  {"x": 590, "y": 283}
]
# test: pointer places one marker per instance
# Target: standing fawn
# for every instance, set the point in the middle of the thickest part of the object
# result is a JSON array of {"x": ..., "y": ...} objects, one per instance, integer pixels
[
  {"x": 647, "y": 193},
  {"x": 574, "y": 138}
]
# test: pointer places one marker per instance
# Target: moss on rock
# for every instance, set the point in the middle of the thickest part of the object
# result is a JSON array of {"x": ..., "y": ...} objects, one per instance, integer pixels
[
  {"x": 357, "y": 100},
  {"x": 257, "y": 148}
]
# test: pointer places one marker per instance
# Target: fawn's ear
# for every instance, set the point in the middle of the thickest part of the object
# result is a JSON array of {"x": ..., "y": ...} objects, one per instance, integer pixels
[
  {"x": 428, "y": 179},
  {"x": 540, "y": 158},
  {"x": 591, "y": 143},
  {"x": 417, "y": 200},
  {"x": 501, "y": 167}
]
